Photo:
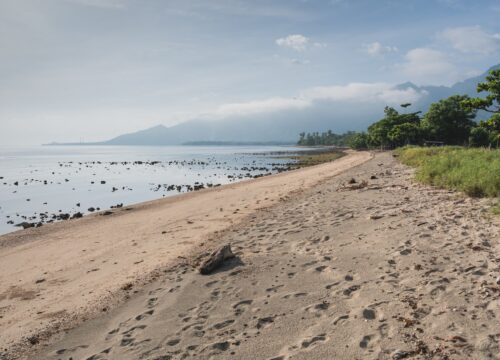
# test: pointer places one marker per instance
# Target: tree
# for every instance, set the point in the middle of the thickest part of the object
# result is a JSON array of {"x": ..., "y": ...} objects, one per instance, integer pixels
[
  {"x": 379, "y": 132},
  {"x": 448, "y": 121},
  {"x": 302, "y": 138},
  {"x": 405, "y": 134},
  {"x": 490, "y": 103},
  {"x": 359, "y": 141},
  {"x": 479, "y": 136},
  {"x": 328, "y": 138},
  {"x": 492, "y": 126}
]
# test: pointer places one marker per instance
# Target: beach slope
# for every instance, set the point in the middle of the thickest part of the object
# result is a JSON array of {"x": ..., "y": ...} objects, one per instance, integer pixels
[
  {"x": 54, "y": 277},
  {"x": 382, "y": 268}
]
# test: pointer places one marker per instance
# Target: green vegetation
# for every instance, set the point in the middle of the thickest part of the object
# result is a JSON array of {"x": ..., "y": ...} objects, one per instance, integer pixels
[
  {"x": 496, "y": 209},
  {"x": 315, "y": 158},
  {"x": 327, "y": 138},
  {"x": 449, "y": 121},
  {"x": 473, "y": 171}
]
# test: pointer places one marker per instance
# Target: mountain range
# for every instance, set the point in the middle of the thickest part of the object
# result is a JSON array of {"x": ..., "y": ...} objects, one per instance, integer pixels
[{"x": 284, "y": 126}]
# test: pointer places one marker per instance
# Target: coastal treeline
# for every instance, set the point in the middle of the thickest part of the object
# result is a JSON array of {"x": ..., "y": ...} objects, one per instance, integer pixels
[
  {"x": 327, "y": 138},
  {"x": 449, "y": 121}
]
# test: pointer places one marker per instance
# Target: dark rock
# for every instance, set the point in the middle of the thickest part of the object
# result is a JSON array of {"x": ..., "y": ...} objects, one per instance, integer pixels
[
  {"x": 64, "y": 216},
  {"x": 33, "y": 340},
  {"x": 400, "y": 354},
  {"x": 25, "y": 225},
  {"x": 368, "y": 314},
  {"x": 91, "y": 209},
  {"x": 77, "y": 215}
]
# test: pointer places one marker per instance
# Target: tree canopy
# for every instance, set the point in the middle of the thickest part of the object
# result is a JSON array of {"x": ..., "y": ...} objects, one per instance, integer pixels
[
  {"x": 394, "y": 129},
  {"x": 448, "y": 121}
]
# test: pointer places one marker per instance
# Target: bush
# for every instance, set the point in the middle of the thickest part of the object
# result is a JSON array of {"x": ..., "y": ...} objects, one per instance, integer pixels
[
  {"x": 479, "y": 137},
  {"x": 473, "y": 171},
  {"x": 359, "y": 141}
]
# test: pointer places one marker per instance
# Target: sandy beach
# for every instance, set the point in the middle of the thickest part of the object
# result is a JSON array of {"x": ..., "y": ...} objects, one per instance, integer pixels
[
  {"x": 52, "y": 278},
  {"x": 325, "y": 269}
]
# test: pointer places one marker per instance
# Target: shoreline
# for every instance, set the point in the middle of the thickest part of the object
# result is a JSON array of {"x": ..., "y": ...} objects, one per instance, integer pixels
[
  {"x": 56, "y": 276},
  {"x": 99, "y": 189},
  {"x": 379, "y": 267}
]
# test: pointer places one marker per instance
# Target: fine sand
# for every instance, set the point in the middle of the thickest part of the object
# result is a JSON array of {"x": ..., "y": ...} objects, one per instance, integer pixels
[
  {"x": 386, "y": 270},
  {"x": 393, "y": 270},
  {"x": 56, "y": 276}
]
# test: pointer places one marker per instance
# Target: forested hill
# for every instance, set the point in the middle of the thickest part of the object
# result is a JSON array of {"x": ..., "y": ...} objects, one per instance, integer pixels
[{"x": 284, "y": 126}]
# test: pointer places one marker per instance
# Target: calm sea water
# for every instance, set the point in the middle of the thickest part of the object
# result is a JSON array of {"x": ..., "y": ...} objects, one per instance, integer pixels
[{"x": 52, "y": 180}]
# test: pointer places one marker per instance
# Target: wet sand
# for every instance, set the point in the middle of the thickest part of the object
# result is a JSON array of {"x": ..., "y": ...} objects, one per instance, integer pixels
[{"x": 54, "y": 277}]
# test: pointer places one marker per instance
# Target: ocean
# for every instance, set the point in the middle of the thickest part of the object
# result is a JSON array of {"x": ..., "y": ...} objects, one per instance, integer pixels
[{"x": 48, "y": 183}]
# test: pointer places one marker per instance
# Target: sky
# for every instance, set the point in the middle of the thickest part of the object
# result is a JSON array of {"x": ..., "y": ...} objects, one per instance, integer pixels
[{"x": 89, "y": 70}]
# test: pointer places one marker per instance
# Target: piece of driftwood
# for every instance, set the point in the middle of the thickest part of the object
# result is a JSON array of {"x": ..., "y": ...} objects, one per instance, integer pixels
[
  {"x": 355, "y": 186},
  {"x": 216, "y": 259}
]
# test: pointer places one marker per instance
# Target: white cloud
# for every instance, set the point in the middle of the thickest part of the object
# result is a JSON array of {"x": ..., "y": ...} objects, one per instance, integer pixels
[
  {"x": 300, "y": 62},
  {"x": 377, "y": 48},
  {"x": 472, "y": 39},
  {"x": 296, "y": 42},
  {"x": 361, "y": 93},
  {"x": 428, "y": 65},
  {"x": 261, "y": 106},
  {"x": 106, "y": 4}
]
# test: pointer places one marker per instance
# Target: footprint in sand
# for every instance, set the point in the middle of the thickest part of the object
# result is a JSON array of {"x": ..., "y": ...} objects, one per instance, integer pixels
[
  {"x": 313, "y": 341},
  {"x": 365, "y": 341},
  {"x": 240, "y": 307},
  {"x": 144, "y": 315}
]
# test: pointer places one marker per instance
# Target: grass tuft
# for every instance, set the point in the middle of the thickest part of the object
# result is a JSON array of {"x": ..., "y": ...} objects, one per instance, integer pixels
[{"x": 473, "y": 171}]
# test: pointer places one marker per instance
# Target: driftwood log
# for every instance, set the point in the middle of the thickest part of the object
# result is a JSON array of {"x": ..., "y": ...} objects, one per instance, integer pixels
[{"x": 215, "y": 259}]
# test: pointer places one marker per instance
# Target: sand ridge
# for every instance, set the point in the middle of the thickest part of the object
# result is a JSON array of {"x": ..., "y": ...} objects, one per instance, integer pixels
[
  {"x": 53, "y": 277},
  {"x": 393, "y": 270}
]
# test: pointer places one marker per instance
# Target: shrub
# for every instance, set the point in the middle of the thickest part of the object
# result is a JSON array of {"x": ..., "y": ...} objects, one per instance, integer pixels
[{"x": 473, "y": 171}]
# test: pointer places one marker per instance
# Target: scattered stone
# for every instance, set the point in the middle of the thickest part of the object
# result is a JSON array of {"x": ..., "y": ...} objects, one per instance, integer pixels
[
  {"x": 400, "y": 354},
  {"x": 33, "y": 340},
  {"x": 77, "y": 215},
  {"x": 216, "y": 259},
  {"x": 405, "y": 252},
  {"x": 368, "y": 314},
  {"x": 25, "y": 225}
]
